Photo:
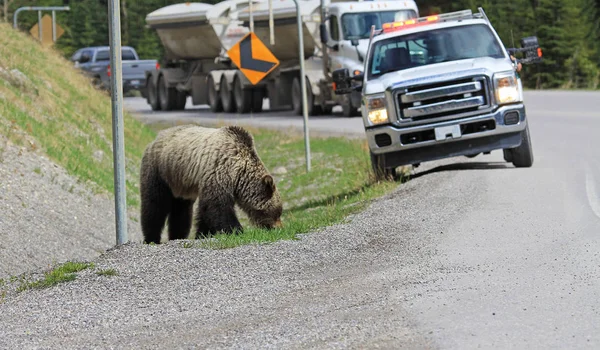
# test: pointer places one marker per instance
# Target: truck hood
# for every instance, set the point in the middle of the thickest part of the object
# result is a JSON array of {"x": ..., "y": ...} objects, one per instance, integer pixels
[{"x": 438, "y": 72}]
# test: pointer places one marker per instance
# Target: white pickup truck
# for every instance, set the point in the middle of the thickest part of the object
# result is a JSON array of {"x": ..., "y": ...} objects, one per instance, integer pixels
[{"x": 441, "y": 86}]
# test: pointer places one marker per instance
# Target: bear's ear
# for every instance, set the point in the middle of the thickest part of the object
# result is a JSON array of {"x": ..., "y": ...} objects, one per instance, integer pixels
[{"x": 269, "y": 183}]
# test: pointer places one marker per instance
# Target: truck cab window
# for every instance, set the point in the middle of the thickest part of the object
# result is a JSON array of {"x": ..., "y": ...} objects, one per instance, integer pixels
[
  {"x": 358, "y": 25},
  {"x": 127, "y": 55},
  {"x": 334, "y": 28},
  {"x": 102, "y": 55}
]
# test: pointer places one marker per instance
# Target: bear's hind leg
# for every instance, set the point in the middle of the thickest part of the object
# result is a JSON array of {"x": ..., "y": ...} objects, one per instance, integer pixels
[
  {"x": 155, "y": 206},
  {"x": 180, "y": 218}
]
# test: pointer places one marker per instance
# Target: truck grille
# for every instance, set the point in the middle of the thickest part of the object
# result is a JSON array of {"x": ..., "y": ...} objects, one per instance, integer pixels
[{"x": 452, "y": 99}]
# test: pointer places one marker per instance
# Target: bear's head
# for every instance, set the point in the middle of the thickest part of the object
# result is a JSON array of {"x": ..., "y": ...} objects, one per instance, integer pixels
[
  {"x": 262, "y": 202},
  {"x": 268, "y": 213}
]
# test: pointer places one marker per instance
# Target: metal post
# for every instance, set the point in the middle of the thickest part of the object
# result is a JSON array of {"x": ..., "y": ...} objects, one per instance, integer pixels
[
  {"x": 37, "y": 8},
  {"x": 53, "y": 26},
  {"x": 40, "y": 25},
  {"x": 271, "y": 23},
  {"x": 116, "y": 89},
  {"x": 324, "y": 47},
  {"x": 250, "y": 3},
  {"x": 303, "y": 84}
]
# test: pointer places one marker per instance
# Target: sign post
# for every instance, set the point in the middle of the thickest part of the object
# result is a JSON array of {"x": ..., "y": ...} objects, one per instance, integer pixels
[{"x": 116, "y": 89}]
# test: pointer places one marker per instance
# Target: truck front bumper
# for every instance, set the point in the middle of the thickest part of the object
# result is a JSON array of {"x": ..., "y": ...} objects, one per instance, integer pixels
[{"x": 398, "y": 146}]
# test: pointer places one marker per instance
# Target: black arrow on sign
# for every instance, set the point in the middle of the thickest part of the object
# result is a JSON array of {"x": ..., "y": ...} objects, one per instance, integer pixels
[{"x": 248, "y": 62}]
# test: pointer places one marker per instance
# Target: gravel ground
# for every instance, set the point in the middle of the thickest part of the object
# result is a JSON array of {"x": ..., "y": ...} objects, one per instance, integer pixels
[
  {"x": 47, "y": 216},
  {"x": 335, "y": 288}
]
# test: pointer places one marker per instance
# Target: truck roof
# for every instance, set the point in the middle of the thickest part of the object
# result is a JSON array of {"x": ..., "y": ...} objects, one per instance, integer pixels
[
  {"x": 379, "y": 5},
  {"x": 452, "y": 19}
]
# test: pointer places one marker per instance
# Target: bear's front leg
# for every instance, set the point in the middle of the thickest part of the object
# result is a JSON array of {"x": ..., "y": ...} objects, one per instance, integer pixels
[{"x": 215, "y": 215}]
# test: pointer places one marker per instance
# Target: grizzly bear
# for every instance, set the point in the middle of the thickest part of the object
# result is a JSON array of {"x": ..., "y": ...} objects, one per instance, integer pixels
[{"x": 217, "y": 166}]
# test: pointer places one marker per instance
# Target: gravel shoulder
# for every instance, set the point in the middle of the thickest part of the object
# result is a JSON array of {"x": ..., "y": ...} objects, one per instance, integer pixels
[
  {"x": 335, "y": 288},
  {"x": 47, "y": 216}
]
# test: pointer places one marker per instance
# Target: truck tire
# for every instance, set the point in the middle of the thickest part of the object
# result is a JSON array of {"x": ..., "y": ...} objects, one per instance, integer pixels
[
  {"x": 214, "y": 99},
  {"x": 242, "y": 97},
  {"x": 257, "y": 100},
  {"x": 226, "y": 96},
  {"x": 166, "y": 95},
  {"x": 381, "y": 172},
  {"x": 297, "y": 98},
  {"x": 180, "y": 100},
  {"x": 522, "y": 156},
  {"x": 348, "y": 109},
  {"x": 152, "y": 95}
]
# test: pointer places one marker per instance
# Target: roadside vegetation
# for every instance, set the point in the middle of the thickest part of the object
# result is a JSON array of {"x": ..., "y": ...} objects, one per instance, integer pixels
[
  {"x": 48, "y": 106},
  {"x": 45, "y": 104}
]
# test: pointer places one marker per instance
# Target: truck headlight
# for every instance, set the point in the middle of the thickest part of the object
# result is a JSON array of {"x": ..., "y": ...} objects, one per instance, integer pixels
[
  {"x": 507, "y": 88},
  {"x": 376, "y": 110}
]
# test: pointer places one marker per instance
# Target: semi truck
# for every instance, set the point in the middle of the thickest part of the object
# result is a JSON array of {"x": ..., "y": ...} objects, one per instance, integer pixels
[{"x": 197, "y": 36}]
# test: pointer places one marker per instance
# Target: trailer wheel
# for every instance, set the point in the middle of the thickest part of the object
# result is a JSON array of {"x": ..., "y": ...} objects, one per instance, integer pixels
[
  {"x": 243, "y": 97},
  {"x": 297, "y": 98},
  {"x": 257, "y": 100},
  {"x": 348, "y": 109},
  {"x": 180, "y": 100},
  {"x": 214, "y": 100},
  {"x": 166, "y": 96},
  {"x": 152, "y": 98},
  {"x": 226, "y": 96}
]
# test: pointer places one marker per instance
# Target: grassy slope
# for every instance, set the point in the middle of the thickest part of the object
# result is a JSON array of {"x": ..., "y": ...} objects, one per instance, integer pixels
[{"x": 59, "y": 112}]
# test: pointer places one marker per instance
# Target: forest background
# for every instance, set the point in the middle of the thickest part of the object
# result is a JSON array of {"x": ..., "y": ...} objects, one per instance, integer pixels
[{"x": 568, "y": 31}]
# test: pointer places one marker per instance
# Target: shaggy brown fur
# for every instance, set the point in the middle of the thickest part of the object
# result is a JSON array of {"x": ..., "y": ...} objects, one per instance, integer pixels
[{"x": 219, "y": 167}]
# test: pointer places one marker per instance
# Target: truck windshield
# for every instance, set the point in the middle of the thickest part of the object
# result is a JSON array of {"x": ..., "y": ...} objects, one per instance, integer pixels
[
  {"x": 432, "y": 46},
  {"x": 358, "y": 25}
]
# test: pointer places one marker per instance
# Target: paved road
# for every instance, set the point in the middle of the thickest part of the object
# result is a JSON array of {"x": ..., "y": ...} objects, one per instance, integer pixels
[
  {"x": 470, "y": 253},
  {"x": 515, "y": 253},
  {"x": 335, "y": 124}
]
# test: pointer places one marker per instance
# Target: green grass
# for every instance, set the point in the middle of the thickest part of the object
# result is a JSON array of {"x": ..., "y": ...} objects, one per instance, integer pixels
[
  {"x": 60, "y": 274},
  {"x": 340, "y": 183},
  {"x": 107, "y": 272}
]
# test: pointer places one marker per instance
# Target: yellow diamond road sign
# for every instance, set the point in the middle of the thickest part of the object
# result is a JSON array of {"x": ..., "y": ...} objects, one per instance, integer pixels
[
  {"x": 46, "y": 30},
  {"x": 253, "y": 58}
]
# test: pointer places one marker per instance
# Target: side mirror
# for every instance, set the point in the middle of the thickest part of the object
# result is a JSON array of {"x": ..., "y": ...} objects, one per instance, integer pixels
[
  {"x": 354, "y": 42},
  {"x": 343, "y": 81},
  {"x": 323, "y": 32},
  {"x": 531, "y": 50}
]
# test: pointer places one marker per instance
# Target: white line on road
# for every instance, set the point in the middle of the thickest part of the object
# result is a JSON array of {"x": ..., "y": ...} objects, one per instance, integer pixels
[{"x": 590, "y": 188}]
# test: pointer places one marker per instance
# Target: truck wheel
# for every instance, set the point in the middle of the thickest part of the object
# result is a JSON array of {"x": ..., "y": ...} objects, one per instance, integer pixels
[
  {"x": 348, "y": 109},
  {"x": 214, "y": 100},
  {"x": 379, "y": 169},
  {"x": 243, "y": 97},
  {"x": 180, "y": 100},
  {"x": 297, "y": 98},
  {"x": 166, "y": 95},
  {"x": 152, "y": 98},
  {"x": 522, "y": 156},
  {"x": 257, "y": 100},
  {"x": 226, "y": 96}
]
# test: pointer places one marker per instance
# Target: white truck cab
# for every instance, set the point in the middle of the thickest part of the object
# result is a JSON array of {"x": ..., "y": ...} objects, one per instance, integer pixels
[
  {"x": 441, "y": 86},
  {"x": 348, "y": 31}
]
